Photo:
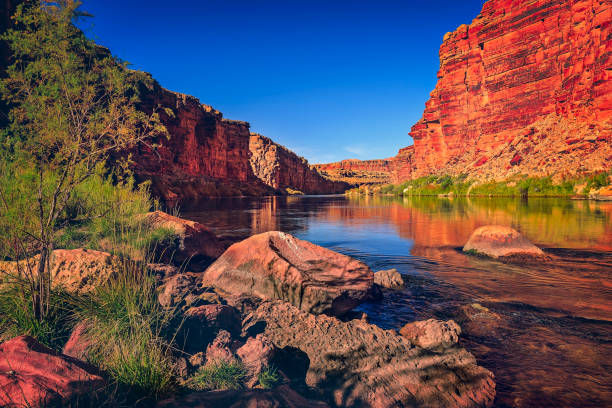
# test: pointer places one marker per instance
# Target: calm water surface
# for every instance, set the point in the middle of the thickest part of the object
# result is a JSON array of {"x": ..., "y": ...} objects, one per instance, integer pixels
[{"x": 545, "y": 329}]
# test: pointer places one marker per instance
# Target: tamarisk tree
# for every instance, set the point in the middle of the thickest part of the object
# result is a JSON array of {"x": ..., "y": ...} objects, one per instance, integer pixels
[{"x": 72, "y": 105}]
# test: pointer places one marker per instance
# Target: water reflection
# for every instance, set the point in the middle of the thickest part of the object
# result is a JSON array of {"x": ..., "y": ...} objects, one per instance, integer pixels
[{"x": 547, "y": 334}]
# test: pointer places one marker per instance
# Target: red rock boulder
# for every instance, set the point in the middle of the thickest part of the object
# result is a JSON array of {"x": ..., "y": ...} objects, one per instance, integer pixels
[
  {"x": 194, "y": 241},
  {"x": 32, "y": 375},
  {"x": 497, "y": 241},
  {"x": 275, "y": 265}
]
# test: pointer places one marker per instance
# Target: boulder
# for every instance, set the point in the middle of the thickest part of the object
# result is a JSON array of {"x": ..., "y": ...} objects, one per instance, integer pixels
[
  {"x": 501, "y": 242},
  {"x": 275, "y": 265},
  {"x": 78, "y": 345},
  {"x": 602, "y": 194},
  {"x": 281, "y": 396},
  {"x": 195, "y": 242},
  {"x": 256, "y": 354},
  {"x": 75, "y": 270},
  {"x": 390, "y": 279},
  {"x": 432, "y": 334},
  {"x": 358, "y": 364},
  {"x": 33, "y": 375}
]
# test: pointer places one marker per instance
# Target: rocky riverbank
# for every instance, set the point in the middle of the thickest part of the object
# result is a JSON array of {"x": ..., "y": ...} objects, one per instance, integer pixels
[{"x": 275, "y": 309}]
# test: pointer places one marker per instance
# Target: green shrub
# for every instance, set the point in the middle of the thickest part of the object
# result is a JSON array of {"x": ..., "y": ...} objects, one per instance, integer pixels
[
  {"x": 17, "y": 316},
  {"x": 221, "y": 375},
  {"x": 129, "y": 330},
  {"x": 269, "y": 377}
]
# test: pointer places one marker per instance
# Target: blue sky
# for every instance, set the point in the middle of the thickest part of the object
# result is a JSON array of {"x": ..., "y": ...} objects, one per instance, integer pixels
[{"x": 331, "y": 79}]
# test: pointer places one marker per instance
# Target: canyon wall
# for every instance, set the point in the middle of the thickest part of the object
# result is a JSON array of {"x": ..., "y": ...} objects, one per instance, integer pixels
[
  {"x": 524, "y": 89},
  {"x": 282, "y": 169},
  {"x": 207, "y": 155},
  {"x": 358, "y": 171}
]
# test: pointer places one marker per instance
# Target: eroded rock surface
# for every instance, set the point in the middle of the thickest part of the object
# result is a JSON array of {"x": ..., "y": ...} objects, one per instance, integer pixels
[
  {"x": 432, "y": 334},
  {"x": 75, "y": 270},
  {"x": 358, "y": 364},
  {"x": 501, "y": 242},
  {"x": 276, "y": 265}
]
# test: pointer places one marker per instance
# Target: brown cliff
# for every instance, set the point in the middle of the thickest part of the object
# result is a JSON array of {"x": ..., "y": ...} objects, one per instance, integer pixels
[{"x": 282, "y": 169}]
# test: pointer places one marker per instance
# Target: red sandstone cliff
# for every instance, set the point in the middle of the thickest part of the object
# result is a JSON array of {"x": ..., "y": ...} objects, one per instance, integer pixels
[
  {"x": 280, "y": 168},
  {"x": 205, "y": 155},
  {"x": 524, "y": 89},
  {"x": 209, "y": 156}
]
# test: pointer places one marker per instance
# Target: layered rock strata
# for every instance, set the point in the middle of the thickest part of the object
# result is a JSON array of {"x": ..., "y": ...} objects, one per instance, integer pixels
[{"x": 524, "y": 89}]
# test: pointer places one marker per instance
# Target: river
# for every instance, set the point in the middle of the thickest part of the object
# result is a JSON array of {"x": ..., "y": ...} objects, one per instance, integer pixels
[{"x": 544, "y": 329}]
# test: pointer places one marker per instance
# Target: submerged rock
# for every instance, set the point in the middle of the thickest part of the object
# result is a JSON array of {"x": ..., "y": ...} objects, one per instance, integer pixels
[
  {"x": 194, "y": 241},
  {"x": 275, "y": 265},
  {"x": 432, "y": 334},
  {"x": 497, "y": 241},
  {"x": 33, "y": 375},
  {"x": 390, "y": 279},
  {"x": 359, "y": 364}
]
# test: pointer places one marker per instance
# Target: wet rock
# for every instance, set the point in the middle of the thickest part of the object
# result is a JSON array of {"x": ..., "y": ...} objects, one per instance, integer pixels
[
  {"x": 358, "y": 364},
  {"x": 501, "y": 242},
  {"x": 33, "y": 375},
  {"x": 194, "y": 242},
  {"x": 432, "y": 334},
  {"x": 478, "y": 320},
  {"x": 390, "y": 279},
  {"x": 280, "y": 397},
  {"x": 275, "y": 265},
  {"x": 256, "y": 355}
]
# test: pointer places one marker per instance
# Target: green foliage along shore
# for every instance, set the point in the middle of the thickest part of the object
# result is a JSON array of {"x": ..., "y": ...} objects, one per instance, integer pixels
[{"x": 516, "y": 187}]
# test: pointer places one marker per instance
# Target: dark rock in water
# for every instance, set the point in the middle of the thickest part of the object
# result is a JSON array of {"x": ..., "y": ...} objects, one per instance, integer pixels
[
  {"x": 390, "y": 279},
  {"x": 359, "y": 364},
  {"x": 275, "y": 265},
  {"x": 432, "y": 334},
  {"x": 280, "y": 397},
  {"x": 501, "y": 242},
  {"x": 32, "y": 375}
]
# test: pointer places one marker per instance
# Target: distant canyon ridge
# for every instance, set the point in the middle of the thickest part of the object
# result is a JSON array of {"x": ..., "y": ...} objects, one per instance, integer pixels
[{"x": 524, "y": 89}]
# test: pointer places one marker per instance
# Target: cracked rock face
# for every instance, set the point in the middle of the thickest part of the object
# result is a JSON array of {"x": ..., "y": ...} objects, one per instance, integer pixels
[
  {"x": 275, "y": 265},
  {"x": 358, "y": 364}
]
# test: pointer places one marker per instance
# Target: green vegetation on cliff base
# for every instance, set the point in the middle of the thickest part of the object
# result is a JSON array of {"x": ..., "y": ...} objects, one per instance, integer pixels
[{"x": 522, "y": 186}]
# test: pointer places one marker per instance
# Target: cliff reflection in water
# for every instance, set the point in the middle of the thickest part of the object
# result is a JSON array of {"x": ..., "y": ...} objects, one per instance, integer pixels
[{"x": 546, "y": 328}]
